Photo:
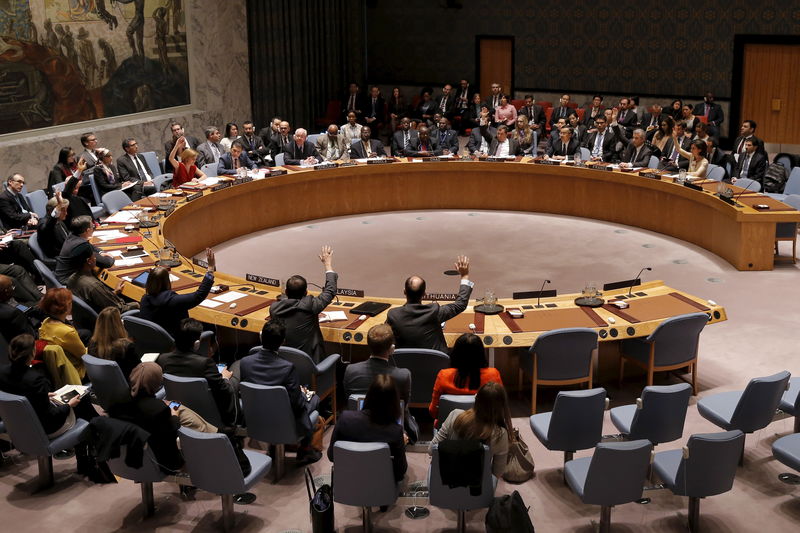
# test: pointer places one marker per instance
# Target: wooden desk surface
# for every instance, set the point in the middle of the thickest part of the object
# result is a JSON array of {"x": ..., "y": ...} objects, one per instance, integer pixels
[{"x": 654, "y": 204}]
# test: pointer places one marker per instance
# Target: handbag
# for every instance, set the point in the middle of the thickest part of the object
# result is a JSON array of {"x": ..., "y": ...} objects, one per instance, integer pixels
[
  {"x": 520, "y": 467},
  {"x": 320, "y": 505}
]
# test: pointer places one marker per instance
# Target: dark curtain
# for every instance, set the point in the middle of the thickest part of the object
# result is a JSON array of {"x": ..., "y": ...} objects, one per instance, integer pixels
[{"x": 303, "y": 53}]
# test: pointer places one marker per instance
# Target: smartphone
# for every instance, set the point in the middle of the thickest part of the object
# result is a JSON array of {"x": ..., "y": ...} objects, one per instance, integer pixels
[
  {"x": 174, "y": 405},
  {"x": 221, "y": 367},
  {"x": 68, "y": 396}
]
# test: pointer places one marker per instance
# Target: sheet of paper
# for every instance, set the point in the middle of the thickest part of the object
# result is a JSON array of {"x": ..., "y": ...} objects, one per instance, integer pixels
[
  {"x": 173, "y": 278},
  {"x": 114, "y": 253},
  {"x": 109, "y": 235},
  {"x": 210, "y": 304},
  {"x": 230, "y": 296},
  {"x": 210, "y": 181},
  {"x": 128, "y": 261},
  {"x": 332, "y": 316},
  {"x": 124, "y": 217},
  {"x": 150, "y": 357}
]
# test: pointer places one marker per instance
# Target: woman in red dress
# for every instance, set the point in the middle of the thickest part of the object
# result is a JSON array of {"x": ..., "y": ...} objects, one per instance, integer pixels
[{"x": 185, "y": 169}]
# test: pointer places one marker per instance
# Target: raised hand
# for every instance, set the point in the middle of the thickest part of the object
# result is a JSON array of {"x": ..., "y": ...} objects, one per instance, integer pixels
[{"x": 462, "y": 265}]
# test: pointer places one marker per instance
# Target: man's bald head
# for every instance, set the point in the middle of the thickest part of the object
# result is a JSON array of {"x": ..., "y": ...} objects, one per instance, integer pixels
[
  {"x": 415, "y": 289},
  {"x": 6, "y": 288}
]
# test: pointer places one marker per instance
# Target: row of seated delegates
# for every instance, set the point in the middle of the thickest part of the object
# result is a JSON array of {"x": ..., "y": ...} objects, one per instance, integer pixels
[
  {"x": 265, "y": 367},
  {"x": 81, "y": 230}
]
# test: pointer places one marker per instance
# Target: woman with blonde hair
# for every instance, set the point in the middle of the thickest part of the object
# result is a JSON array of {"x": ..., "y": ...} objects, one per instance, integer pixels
[
  {"x": 185, "y": 169},
  {"x": 523, "y": 134},
  {"x": 110, "y": 341}
]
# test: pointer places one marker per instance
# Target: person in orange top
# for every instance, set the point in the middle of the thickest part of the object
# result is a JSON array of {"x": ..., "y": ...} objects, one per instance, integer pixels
[{"x": 470, "y": 371}]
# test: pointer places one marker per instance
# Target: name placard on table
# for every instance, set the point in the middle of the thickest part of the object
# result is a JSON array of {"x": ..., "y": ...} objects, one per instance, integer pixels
[
  {"x": 264, "y": 280},
  {"x": 350, "y": 292},
  {"x": 440, "y": 296}
]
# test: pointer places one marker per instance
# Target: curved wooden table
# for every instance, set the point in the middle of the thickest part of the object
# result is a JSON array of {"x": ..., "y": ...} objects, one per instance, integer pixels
[{"x": 742, "y": 235}]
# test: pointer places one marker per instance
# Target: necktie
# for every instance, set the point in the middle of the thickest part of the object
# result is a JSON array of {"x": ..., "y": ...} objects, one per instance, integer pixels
[
  {"x": 634, "y": 155},
  {"x": 598, "y": 145},
  {"x": 564, "y": 147},
  {"x": 215, "y": 152},
  {"x": 740, "y": 148},
  {"x": 622, "y": 116},
  {"x": 235, "y": 162},
  {"x": 352, "y": 104},
  {"x": 373, "y": 107},
  {"x": 140, "y": 168},
  {"x": 706, "y": 110},
  {"x": 331, "y": 148},
  {"x": 21, "y": 203},
  {"x": 441, "y": 137},
  {"x": 444, "y": 103},
  {"x": 405, "y": 139},
  {"x": 745, "y": 166},
  {"x": 110, "y": 175},
  {"x": 562, "y": 113}
]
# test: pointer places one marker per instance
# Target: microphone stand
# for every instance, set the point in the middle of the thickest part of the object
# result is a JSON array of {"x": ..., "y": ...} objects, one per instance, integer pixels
[
  {"x": 539, "y": 300},
  {"x": 633, "y": 281}
]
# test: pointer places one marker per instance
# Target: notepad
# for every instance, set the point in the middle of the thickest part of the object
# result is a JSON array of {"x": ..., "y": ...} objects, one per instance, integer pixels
[
  {"x": 229, "y": 297},
  {"x": 210, "y": 303},
  {"x": 332, "y": 316}
]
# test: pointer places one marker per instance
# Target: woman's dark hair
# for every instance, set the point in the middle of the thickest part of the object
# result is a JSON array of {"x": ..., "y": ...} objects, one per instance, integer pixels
[
  {"x": 158, "y": 281},
  {"x": 701, "y": 145},
  {"x": 468, "y": 357},
  {"x": 20, "y": 349},
  {"x": 228, "y": 129},
  {"x": 669, "y": 122},
  {"x": 490, "y": 411},
  {"x": 382, "y": 403},
  {"x": 63, "y": 155}
]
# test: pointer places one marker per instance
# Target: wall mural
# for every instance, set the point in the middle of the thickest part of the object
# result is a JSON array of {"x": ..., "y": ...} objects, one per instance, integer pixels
[{"x": 66, "y": 61}]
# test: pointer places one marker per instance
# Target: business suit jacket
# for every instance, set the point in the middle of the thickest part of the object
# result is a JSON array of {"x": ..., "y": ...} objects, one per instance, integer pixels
[
  {"x": 579, "y": 133},
  {"x": 738, "y": 144},
  {"x": 380, "y": 110},
  {"x": 558, "y": 148},
  {"x": 276, "y": 145},
  {"x": 191, "y": 142},
  {"x": 609, "y": 143},
  {"x": 472, "y": 115},
  {"x": 11, "y": 214},
  {"x": 450, "y": 140},
  {"x": 103, "y": 181},
  {"x": 301, "y": 317},
  {"x": 449, "y": 105},
  {"x": 225, "y": 164},
  {"x": 669, "y": 147},
  {"x": 206, "y": 154},
  {"x": 398, "y": 142},
  {"x": 295, "y": 154},
  {"x": 589, "y": 118},
  {"x": 127, "y": 170},
  {"x": 415, "y": 147},
  {"x": 630, "y": 151},
  {"x": 535, "y": 116},
  {"x": 476, "y": 139},
  {"x": 13, "y": 322},
  {"x": 324, "y": 143},
  {"x": 357, "y": 149},
  {"x": 647, "y": 121},
  {"x": 168, "y": 308},
  {"x": 561, "y": 112},
  {"x": 418, "y": 325},
  {"x": 194, "y": 365},
  {"x": 254, "y": 147},
  {"x": 63, "y": 267},
  {"x": 513, "y": 146},
  {"x": 716, "y": 115},
  {"x": 757, "y": 168},
  {"x": 90, "y": 158},
  {"x": 629, "y": 121},
  {"x": 25, "y": 381},
  {"x": 360, "y": 107}
]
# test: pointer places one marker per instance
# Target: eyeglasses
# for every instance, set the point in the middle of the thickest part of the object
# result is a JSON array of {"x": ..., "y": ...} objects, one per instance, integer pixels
[{"x": 19, "y": 181}]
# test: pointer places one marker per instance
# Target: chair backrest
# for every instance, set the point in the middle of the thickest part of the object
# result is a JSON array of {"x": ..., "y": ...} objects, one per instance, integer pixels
[
  {"x": 108, "y": 383},
  {"x": 459, "y": 497},
  {"x": 303, "y": 364},
  {"x": 23, "y": 425},
  {"x": 211, "y": 462},
  {"x": 785, "y": 160},
  {"x": 160, "y": 180},
  {"x": 147, "y": 473},
  {"x": 268, "y": 413},
  {"x": 33, "y": 244},
  {"x": 148, "y": 336},
  {"x": 210, "y": 169},
  {"x": 38, "y": 201},
  {"x": 793, "y": 183},
  {"x": 89, "y": 176},
  {"x": 793, "y": 200},
  {"x": 83, "y": 315},
  {"x": 711, "y": 465},
  {"x": 662, "y": 414},
  {"x": 758, "y": 402},
  {"x": 3, "y": 350},
  {"x": 59, "y": 187},
  {"x": 676, "y": 339},
  {"x": 450, "y": 402},
  {"x": 585, "y": 153},
  {"x": 715, "y": 173},
  {"x": 313, "y": 138},
  {"x": 653, "y": 162},
  {"x": 279, "y": 158},
  {"x": 747, "y": 183},
  {"x": 115, "y": 200},
  {"x": 194, "y": 394},
  {"x": 617, "y": 472},
  {"x": 363, "y": 474},
  {"x": 424, "y": 366},
  {"x": 577, "y": 420},
  {"x": 151, "y": 159},
  {"x": 564, "y": 353},
  {"x": 49, "y": 278}
]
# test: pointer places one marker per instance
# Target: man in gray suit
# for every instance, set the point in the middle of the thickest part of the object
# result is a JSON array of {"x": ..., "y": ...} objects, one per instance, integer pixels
[
  {"x": 210, "y": 151},
  {"x": 417, "y": 325},
  {"x": 89, "y": 143},
  {"x": 300, "y": 311},
  {"x": 133, "y": 168},
  {"x": 332, "y": 146}
]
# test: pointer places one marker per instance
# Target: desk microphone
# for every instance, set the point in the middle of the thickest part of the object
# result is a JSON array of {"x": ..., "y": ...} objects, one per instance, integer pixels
[
  {"x": 322, "y": 289},
  {"x": 633, "y": 281},
  {"x": 539, "y": 300},
  {"x": 744, "y": 191}
]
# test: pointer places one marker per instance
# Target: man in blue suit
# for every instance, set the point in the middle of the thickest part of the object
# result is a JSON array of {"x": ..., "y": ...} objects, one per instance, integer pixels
[{"x": 230, "y": 163}]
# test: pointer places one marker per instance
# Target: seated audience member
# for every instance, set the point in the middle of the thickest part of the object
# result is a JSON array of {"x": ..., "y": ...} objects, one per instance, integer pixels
[
  {"x": 477, "y": 144},
  {"x": 376, "y": 422},
  {"x": 281, "y": 140},
  {"x": 186, "y": 362},
  {"x": 418, "y": 325},
  {"x": 715, "y": 155},
  {"x": 57, "y": 329},
  {"x": 423, "y": 145},
  {"x": 253, "y": 144},
  {"x": 676, "y": 110},
  {"x": 300, "y": 311},
  {"x": 86, "y": 285},
  {"x": 67, "y": 167},
  {"x": 133, "y": 169},
  {"x": 505, "y": 113},
  {"x": 109, "y": 330},
  {"x": 367, "y": 146},
  {"x": 486, "y": 422},
  {"x": 563, "y": 110},
  {"x": 401, "y": 140},
  {"x": 165, "y": 307},
  {"x": 353, "y": 101},
  {"x": 713, "y": 113},
  {"x": 578, "y": 129},
  {"x": 651, "y": 121},
  {"x": 663, "y": 135},
  {"x": 601, "y": 143},
  {"x": 351, "y": 129},
  {"x": 698, "y": 164},
  {"x": 751, "y": 164},
  {"x": 186, "y": 169},
  {"x": 210, "y": 151},
  {"x": 626, "y": 117},
  {"x": 332, "y": 146},
  {"x": 78, "y": 205},
  {"x": 671, "y": 158},
  {"x": 105, "y": 173},
  {"x": 524, "y": 135},
  {"x": 747, "y": 131},
  {"x": 51, "y": 230},
  {"x": 230, "y": 163},
  {"x": 375, "y": 109},
  {"x": 565, "y": 147},
  {"x": 446, "y": 138},
  {"x": 555, "y": 136},
  {"x": 472, "y": 117},
  {"x": 81, "y": 230},
  {"x": 423, "y": 114},
  {"x": 701, "y": 132},
  {"x": 231, "y": 134},
  {"x": 89, "y": 154},
  {"x": 688, "y": 118},
  {"x": 594, "y": 111},
  {"x": 190, "y": 143},
  {"x": 398, "y": 109},
  {"x": 446, "y": 103},
  {"x": 534, "y": 113},
  {"x": 300, "y": 151},
  {"x": 15, "y": 210},
  {"x": 468, "y": 373},
  {"x": 636, "y": 152},
  {"x": 270, "y": 132},
  {"x": 13, "y": 321}
]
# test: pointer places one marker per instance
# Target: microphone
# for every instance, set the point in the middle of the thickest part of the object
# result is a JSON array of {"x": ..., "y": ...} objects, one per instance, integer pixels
[
  {"x": 744, "y": 191},
  {"x": 539, "y": 300},
  {"x": 633, "y": 281},
  {"x": 322, "y": 288}
]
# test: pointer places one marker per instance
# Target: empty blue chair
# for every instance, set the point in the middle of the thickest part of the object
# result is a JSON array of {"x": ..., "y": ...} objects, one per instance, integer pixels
[
  {"x": 209, "y": 170},
  {"x": 89, "y": 176},
  {"x": 279, "y": 159},
  {"x": 162, "y": 182},
  {"x": 654, "y": 161},
  {"x": 705, "y": 467},
  {"x": 151, "y": 160},
  {"x": 585, "y": 154},
  {"x": 657, "y": 416},
  {"x": 148, "y": 336},
  {"x": 59, "y": 187},
  {"x": 83, "y": 315},
  {"x": 38, "y": 201},
  {"x": 715, "y": 173},
  {"x": 424, "y": 365},
  {"x": 787, "y": 451},
  {"x": 747, "y": 183},
  {"x": 787, "y": 231},
  {"x": 114, "y": 201},
  {"x": 613, "y": 475},
  {"x": 790, "y": 402}
]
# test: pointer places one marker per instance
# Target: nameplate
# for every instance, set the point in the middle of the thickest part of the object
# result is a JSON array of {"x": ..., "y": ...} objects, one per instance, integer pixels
[
  {"x": 348, "y": 164},
  {"x": 496, "y": 159},
  {"x": 239, "y": 181},
  {"x": 277, "y": 171},
  {"x": 692, "y": 186},
  {"x": 199, "y": 262},
  {"x": 432, "y": 159},
  {"x": 220, "y": 186},
  {"x": 379, "y": 161},
  {"x": 729, "y": 201},
  {"x": 325, "y": 166},
  {"x": 526, "y": 295},
  {"x": 606, "y": 168},
  {"x": 650, "y": 174},
  {"x": 569, "y": 163},
  {"x": 350, "y": 292},
  {"x": 546, "y": 162},
  {"x": 263, "y": 280},
  {"x": 440, "y": 296},
  {"x": 193, "y": 197}
]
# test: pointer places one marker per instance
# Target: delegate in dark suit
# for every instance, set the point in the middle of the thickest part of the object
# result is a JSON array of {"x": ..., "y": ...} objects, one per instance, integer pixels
[
  {"x": 399, "y": 141},
  {"x": 608, "y": 143},
  {"x": 418, "y": 147},
  {"x": 640, "y": 158},
  {"x": 628, "y": 120},
  {"x": 671, "y": 159},
  {"x": 254, "y": 148},
  {"x": 535, "y": 114},
  {"x": 15, "y": 210},
  {"x": 561, "y": 112},
  {"x": 476, "y": 139},
  {"x": 296, "y": 154},
  {"x": 375, "y": 110},
  {"x": 129, "y": 170},
  {"x": 355, "y": 426},
  {"x": 225, "y": 167},
  {"x": 559, "y": 148},
  {"x": 418, "y": 325},
  {"x": 716, "y": 116},
  {"x": 358, "y": 150},
  {"x": 448, "y": 139},
  {"x": 22, "y": 380},
  {"x": 194, "y": 365},
  {"x": 494, "y": 143},
  {"x": 755, "y": 163},
  {"x": 13, "y": 322},
  {"x": 168, "y": 308},
  {"x": 64, "y": 266},
  {"x": 301, "y": 317}
]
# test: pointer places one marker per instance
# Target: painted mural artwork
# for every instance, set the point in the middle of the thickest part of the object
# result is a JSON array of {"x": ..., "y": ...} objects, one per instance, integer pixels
[{"x": 66, "y": 61}]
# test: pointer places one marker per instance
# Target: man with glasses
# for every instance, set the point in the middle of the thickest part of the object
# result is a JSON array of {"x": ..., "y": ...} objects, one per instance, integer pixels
[
  {"x": 563, "y": 110},
  {"x": 89, "y": 143},
  {"x": 133, "y": 168},
  {"x": 601, "y": 142},
  {"x": 15, "y": 210},
  {"x": 281, "y": 141}
]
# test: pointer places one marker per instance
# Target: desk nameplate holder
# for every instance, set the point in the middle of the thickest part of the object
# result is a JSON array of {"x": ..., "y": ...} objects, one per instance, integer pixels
[
  {"x": 193, "y": 197},
  {"x": 325, "y": 166},
  {"x": 220, "y": 186},
  {"x": 263, "y": 280},
  {"x": 379, "y": 161}
]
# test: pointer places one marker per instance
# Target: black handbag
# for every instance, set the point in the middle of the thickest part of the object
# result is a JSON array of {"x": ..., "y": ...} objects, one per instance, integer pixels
[{"x": 320, "y": 505}]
